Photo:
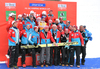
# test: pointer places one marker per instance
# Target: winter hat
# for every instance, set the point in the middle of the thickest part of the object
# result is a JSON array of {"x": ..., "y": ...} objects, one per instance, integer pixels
[
  {"x": 31, "y": 12},
  {"x": 24, "y": 14},
  {"x": 19, "y": 15},
  {"x": 11, "y": 14},
  {"x": 60, "y": 18},
  {"x": 75, "y": 27},
  {"x": 50, "y": 10},
  {"x": 13, "y": 22},
  {"x": 44, "y": 12},
  {"x": 36, "y": 27},
  {"x": 68, "y": 21}
]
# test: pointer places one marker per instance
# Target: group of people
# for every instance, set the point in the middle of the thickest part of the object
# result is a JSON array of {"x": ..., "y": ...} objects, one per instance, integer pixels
[{"x": 45, "y": 29}]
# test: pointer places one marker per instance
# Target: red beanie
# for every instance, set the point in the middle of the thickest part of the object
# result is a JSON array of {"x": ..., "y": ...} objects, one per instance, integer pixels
[
  {"x": 60, "y": 18},
  {"x": 24, "y": 14},
  {"x": 50, "y": 10},
  {"x": 35, "y": 27},
  {"x": 75, "y": 26}
]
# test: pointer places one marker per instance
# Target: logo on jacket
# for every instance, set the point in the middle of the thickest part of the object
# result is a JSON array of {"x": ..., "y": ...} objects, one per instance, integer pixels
[
  {"x": 13, "y": 32},
  {"x": 72, "y": 35},
  {"x": 77, "y": 34},
  {"x": 20, "y": 22},
  {"x": 24, "y": 33}
]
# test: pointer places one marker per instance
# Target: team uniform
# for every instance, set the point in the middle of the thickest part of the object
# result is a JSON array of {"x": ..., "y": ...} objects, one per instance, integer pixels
[
  {"x": 62, "y": 24},
  {"x": 83, "y": 49},
  {"x": 60, "y": 48},
  {"x": 45, "y": 38},
  {"x": 20, "y": 24},
  {"x": 56, "y": 36},
  {"x": 66, "y": 27},
  {"x": 24, "y": 41},
  {"x": 34, "y": 39},
  {"x": 9, "y": 23},
  {"x": 13, "y": 36},
  {"x": 65, "y": 49},
  {"x": 32, "y": 24},
  {"x": 75, "y": 36},
  {"x": 51, "y": 17},
  {"x": 25, "y": 21}
]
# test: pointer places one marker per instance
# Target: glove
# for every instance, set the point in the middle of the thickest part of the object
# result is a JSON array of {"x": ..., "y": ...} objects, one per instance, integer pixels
[{"x": 35, "y": 44}]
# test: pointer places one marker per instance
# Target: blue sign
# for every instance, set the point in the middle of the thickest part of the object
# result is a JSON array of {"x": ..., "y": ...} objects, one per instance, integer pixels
[{"x": 37, "y": 4}]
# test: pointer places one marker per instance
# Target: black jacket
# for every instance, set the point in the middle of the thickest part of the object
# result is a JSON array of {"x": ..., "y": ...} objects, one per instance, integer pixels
[{"x": 64, "y": 39}]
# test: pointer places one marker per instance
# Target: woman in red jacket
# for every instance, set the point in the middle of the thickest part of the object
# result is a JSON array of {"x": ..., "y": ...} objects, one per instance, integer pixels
[{"x": 75, "y": 36}]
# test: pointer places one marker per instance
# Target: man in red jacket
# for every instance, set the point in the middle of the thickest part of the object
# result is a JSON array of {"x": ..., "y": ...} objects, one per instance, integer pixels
[
  {"x": 45, "y": 38},
  {"x": 75, "y": 36},
  {"x": 20, "y": 23},
  {"x": 10, "y": 19},
  {"x": 44, "y": 15},
  {"x": 51, "y": 17},
  {"x": 9, "y": 25},
  {"x": 62, "y": 47},
  {"x": 56, "y": 35},
  {"x": 13, "y": 40}
]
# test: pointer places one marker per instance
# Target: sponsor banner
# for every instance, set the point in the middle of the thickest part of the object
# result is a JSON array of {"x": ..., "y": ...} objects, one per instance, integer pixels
[
  {"x": 10, "y": 5},
  {"x": 62, "y": 14},
  {"x": 37, "y": 4},
  {"x": 62, "y": 6}
]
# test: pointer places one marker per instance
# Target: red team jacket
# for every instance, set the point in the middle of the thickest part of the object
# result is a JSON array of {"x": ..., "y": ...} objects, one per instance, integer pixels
[
  {"x": 20, "y": 24},
  {"x": 48, "y": 38},
  {"x": 75, "y": 36},
  {"x": 9, "y": 23}
]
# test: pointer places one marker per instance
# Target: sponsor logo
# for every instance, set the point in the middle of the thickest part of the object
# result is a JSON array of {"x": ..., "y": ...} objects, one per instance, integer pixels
[
  {"x": 62, "y": 14},
  {"x": 37, "y": 4},
  {"x": 10, "y": 5},
  {"x": 62, "y": 6},
  {"x": 20, "y": 22},
  {"x": 13, "y": 32}
]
